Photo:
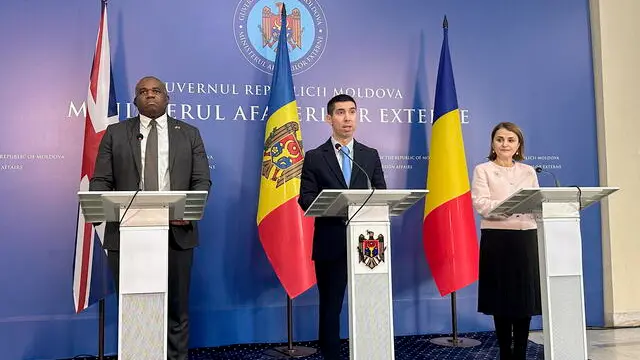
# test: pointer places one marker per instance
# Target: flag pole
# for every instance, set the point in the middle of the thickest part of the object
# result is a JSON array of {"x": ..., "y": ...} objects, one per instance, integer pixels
[
  {"x": 101, "y": 306},
  {"x": 290, "y": 351},
  {"x": 282, "y": 66},
  {"x": 454, "y": 340},
  {"x": 101, "y": 326}
]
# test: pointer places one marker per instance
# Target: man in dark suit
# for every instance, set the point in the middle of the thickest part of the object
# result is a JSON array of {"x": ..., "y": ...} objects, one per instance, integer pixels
[
  {"x": 328, "y": 168},
  {"x": 154, "y": 152}
]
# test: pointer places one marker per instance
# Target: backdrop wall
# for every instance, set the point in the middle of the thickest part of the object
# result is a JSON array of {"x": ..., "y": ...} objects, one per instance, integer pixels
[{"x": 527, "y": 62}]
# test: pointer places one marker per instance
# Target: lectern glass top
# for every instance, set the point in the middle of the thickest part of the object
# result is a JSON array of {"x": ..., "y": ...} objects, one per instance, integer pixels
[
  {"x": 336, "y": 202},
  {"x": 99, "y": 206},
  {"x": 529, "y": 200}
]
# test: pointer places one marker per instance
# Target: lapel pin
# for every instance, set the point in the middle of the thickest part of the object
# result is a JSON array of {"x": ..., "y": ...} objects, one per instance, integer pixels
[{"x": 177, "y": 127}]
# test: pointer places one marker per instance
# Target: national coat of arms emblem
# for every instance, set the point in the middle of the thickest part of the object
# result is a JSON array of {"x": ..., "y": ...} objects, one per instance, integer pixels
[
  {"x": 371, "y": 249},
  {"x": 257, "y": 25},
  {"x": 283, "y": 157},
  {"x": 271, "y": 26}
]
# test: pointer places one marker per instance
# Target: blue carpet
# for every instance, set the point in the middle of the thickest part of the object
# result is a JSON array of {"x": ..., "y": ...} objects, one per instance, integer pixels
[{"x": 406, "y": 348}]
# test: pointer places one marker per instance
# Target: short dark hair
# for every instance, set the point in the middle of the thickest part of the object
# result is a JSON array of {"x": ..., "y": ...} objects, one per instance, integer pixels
[
  {"x": 164, "y": 86},
  {"x": 509, "y": 126},
  {"x": 331, "y": 105}
]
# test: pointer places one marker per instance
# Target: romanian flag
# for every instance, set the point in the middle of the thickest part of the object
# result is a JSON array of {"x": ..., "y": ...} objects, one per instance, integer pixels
[
  {"x": 286, "y": 234},
  {"x": 449, "y": 232}
]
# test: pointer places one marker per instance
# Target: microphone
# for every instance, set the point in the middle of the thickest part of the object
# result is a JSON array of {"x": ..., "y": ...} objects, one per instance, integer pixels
[
  {"x": 339, "y": 148},
  {"x": 139, "y": 136},
  {"x": 539, "y": 169}
]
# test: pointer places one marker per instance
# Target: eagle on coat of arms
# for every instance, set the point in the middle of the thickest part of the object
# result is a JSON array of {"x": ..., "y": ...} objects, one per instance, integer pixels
[
  {"x": 271, "y": 25},
  {"x": 371, "y": 249},
  {"x": 283, "y": 157}
]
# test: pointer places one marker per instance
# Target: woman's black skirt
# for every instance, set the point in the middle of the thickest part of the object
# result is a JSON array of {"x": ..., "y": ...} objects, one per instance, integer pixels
[{"x": 509, "y": 279}]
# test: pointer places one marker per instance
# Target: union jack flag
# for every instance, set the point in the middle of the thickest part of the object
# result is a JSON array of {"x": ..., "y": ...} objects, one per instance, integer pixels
[{"x": 91, "y": 278}]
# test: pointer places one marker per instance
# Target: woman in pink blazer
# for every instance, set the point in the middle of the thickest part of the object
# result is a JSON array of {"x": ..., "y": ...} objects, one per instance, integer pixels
[{"x": 509, "y": 281}]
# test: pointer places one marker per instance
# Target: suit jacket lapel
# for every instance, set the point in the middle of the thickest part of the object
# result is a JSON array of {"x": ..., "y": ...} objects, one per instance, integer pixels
[
  {"x": 357, "y": 156},
  {"x": 134, "y": 142},
  {"x": 332, "y": 161},
  {"x": 174, "y": 137}
]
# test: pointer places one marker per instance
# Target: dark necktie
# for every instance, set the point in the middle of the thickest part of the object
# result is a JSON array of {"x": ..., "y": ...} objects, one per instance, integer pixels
[{"x": 151, "y": 159}]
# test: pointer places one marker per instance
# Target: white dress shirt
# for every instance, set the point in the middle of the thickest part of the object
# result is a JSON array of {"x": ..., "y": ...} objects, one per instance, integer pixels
[
  {"x": 339, "y": 153},
  {"x": 163, "y": 149}
]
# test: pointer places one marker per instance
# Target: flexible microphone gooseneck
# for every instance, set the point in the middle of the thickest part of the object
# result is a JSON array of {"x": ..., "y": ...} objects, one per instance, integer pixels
[
  {"x": 369, "y": 184},
  {"x": 555, "y": 179},
  {"x": 139, "y": 137},
  {"x": 539, "y": 169}
]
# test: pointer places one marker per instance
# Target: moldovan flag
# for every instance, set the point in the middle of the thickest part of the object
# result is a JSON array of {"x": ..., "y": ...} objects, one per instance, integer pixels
[
  {"x": 92, "y": 279},
  {"x": 449, "y": 231},
  {"x": 286, "y": 234}
]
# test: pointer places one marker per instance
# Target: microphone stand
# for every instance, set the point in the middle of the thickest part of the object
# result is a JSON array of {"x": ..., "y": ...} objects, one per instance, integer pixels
[{"x": 338, "y": 147}]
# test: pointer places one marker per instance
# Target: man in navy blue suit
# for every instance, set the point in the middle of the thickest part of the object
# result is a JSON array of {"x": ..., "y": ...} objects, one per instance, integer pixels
[{"x": 326, "y": 167}]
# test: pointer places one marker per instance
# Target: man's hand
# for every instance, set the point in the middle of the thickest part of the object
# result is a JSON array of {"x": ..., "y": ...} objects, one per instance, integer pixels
[{"x": 179, "y": 222}]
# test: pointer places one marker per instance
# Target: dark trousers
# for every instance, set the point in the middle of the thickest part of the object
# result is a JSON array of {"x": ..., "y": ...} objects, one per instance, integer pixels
[
  {"x": 180, "y": 262},
  {"x": 512, "y": 330},
  {"x": 331, "y": 279}
]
